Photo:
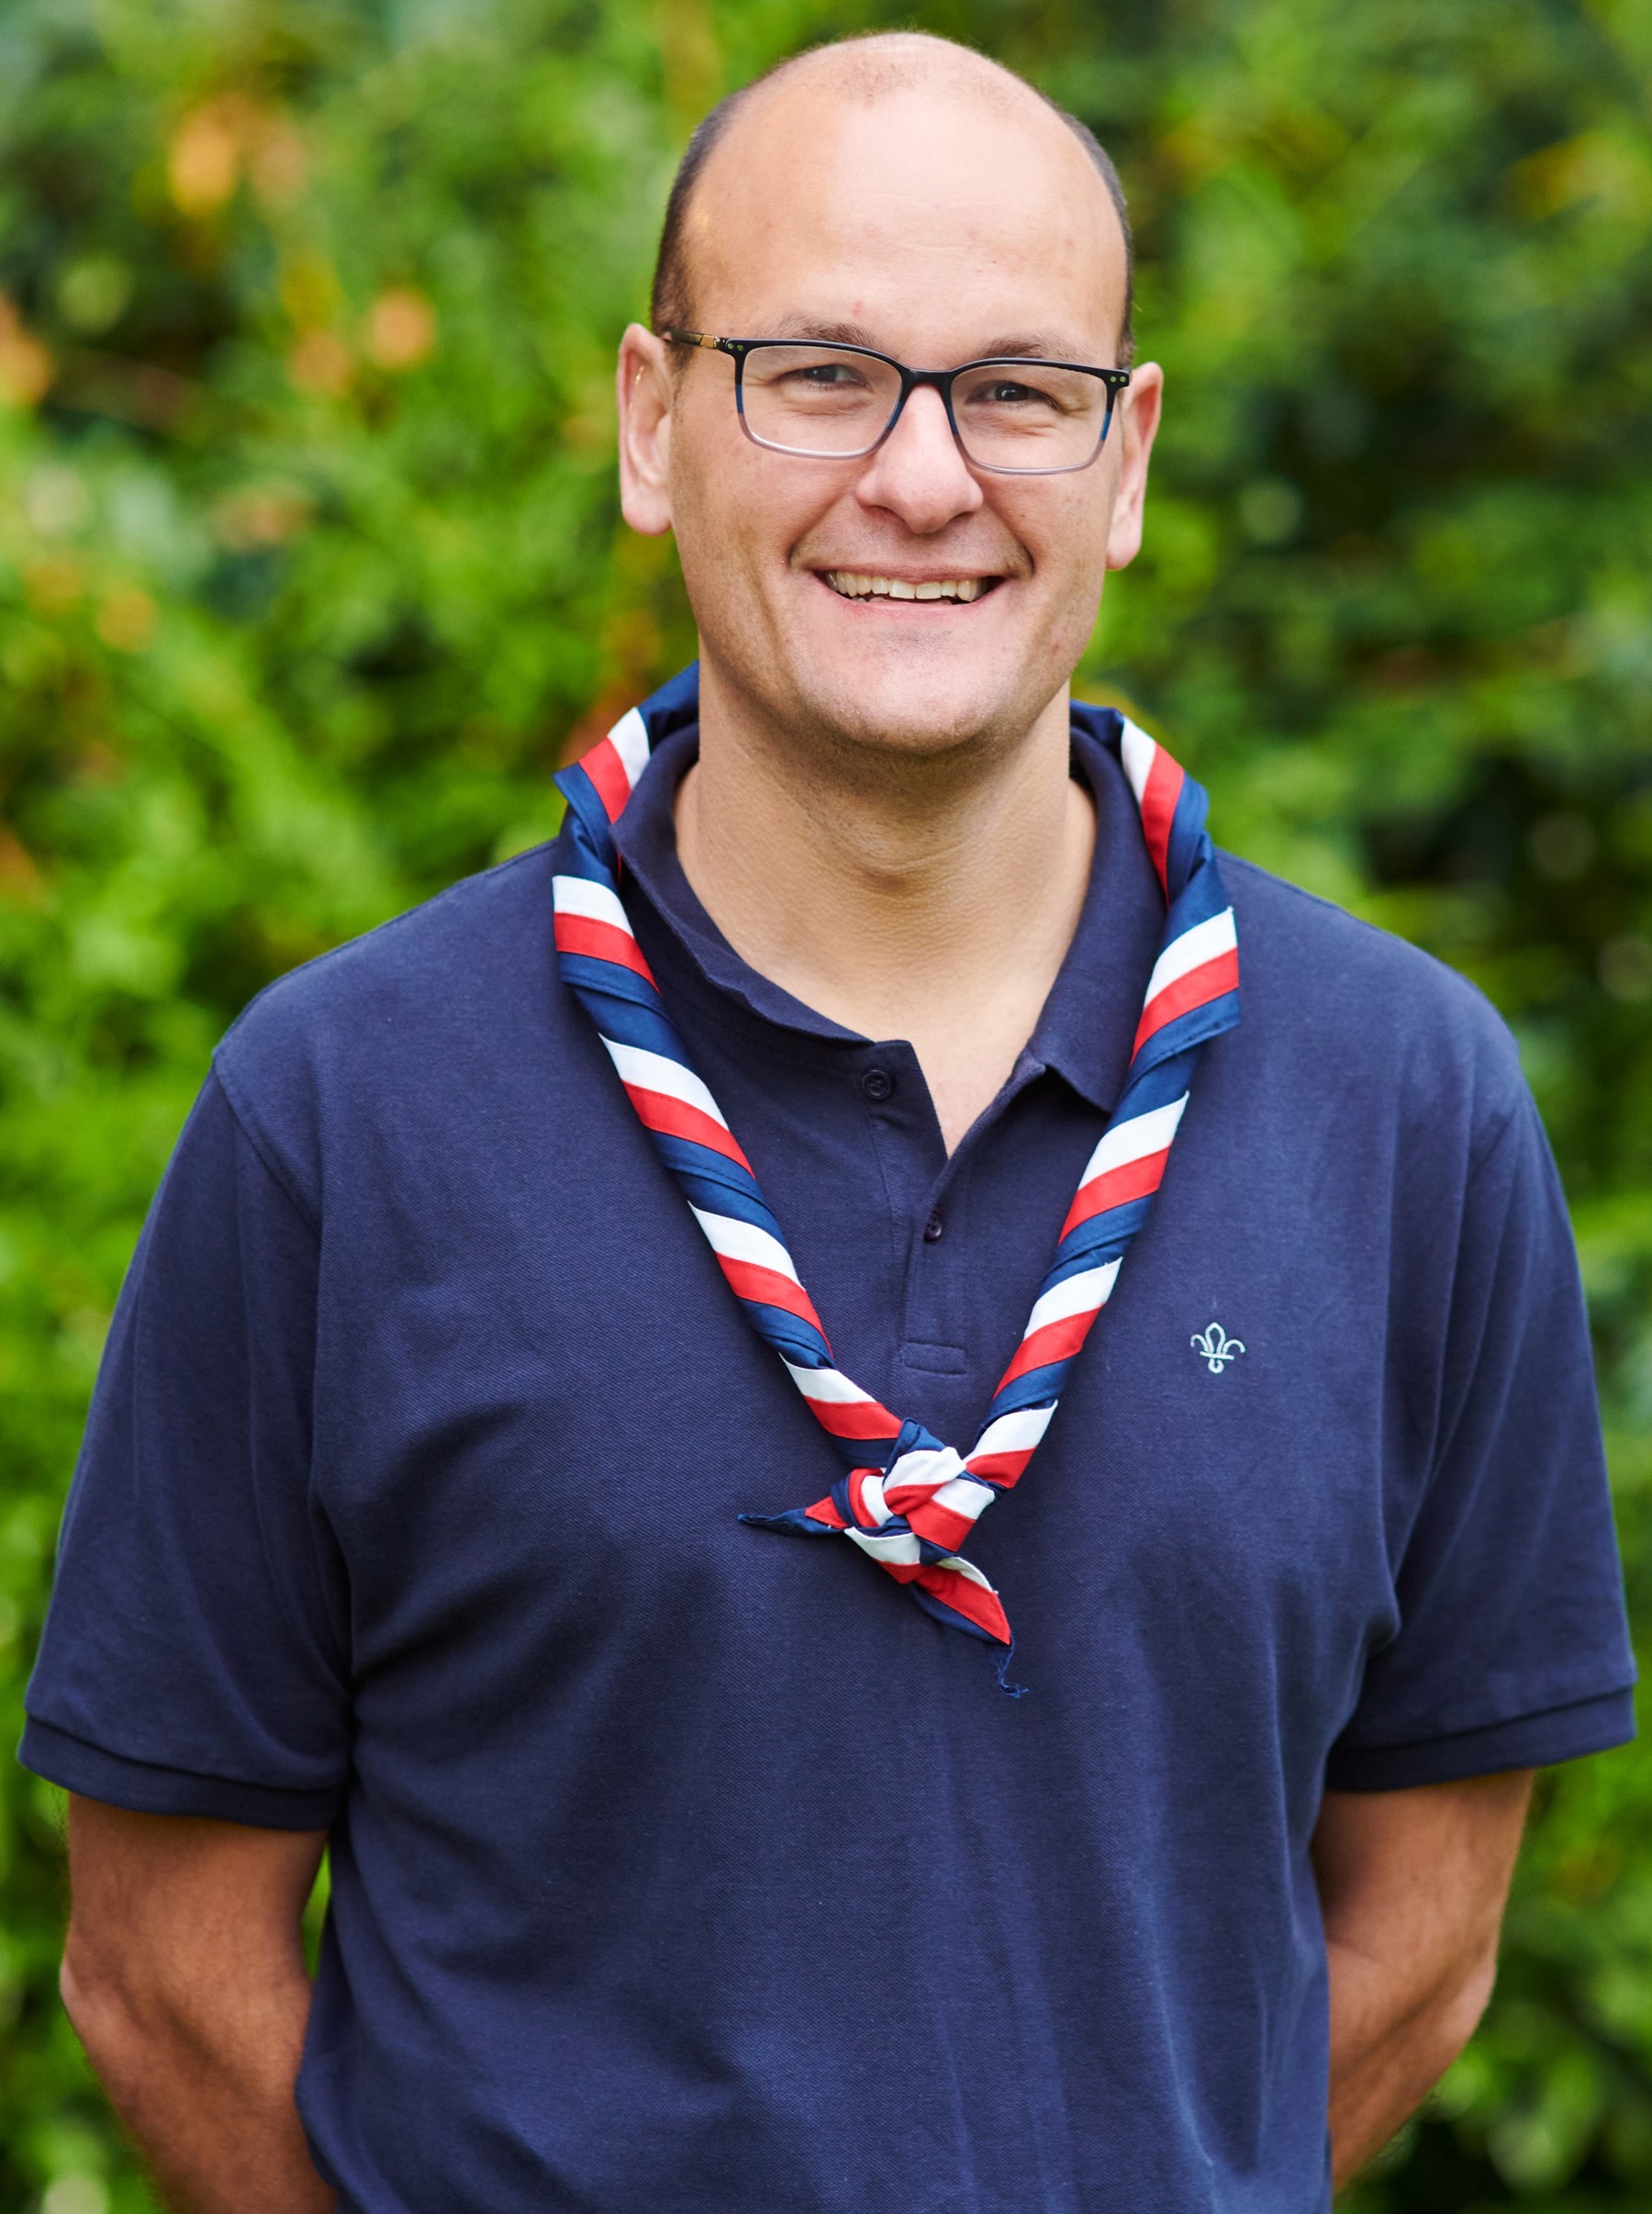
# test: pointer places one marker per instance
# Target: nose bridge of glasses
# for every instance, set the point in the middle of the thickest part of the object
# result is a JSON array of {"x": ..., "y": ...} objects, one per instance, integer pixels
[
  {"x": 929, "y": 392},
  {"x": 922, "y": 426}
]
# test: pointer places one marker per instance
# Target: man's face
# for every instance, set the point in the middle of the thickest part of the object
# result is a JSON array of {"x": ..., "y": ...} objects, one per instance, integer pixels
[{"x": 937, "y": 228}]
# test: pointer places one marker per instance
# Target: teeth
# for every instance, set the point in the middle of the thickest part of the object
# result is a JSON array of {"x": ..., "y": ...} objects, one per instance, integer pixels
[{"x": 853, "y": 584}]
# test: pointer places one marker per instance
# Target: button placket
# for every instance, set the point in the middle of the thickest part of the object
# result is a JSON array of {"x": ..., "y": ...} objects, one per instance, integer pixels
[{"x": 930, "y": 1312}]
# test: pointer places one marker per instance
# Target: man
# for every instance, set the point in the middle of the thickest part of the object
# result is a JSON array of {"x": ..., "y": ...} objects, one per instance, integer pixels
[{"x": 678, "y": 1866}]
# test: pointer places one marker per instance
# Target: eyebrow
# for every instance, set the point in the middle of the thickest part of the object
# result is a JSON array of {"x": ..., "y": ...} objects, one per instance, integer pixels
[{"x": 1019, "y": 346}]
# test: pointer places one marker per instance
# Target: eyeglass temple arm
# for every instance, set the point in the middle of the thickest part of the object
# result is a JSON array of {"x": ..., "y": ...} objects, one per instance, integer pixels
[{"x": 693, "y": 338}]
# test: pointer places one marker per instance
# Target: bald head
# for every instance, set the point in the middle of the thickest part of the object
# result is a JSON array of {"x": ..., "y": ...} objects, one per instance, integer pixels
[{"x": 863, "y": 72}]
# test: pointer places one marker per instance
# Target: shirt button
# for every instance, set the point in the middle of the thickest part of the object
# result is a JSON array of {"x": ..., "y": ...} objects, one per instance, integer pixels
[
  {"x": 877, "y": 1083},
  {"x": 932, "y": 1229}
]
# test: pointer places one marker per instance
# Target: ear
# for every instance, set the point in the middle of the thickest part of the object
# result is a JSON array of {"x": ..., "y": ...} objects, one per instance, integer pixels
[
  {"x": 1136, "y": 427},
  {"x": 643, "y": 392}
]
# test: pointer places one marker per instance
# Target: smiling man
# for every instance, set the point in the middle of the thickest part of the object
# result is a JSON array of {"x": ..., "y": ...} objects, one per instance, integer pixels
[{"x": 1083, "y": 1232}]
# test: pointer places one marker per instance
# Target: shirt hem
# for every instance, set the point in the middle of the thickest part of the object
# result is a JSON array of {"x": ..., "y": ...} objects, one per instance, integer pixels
[
  {"x": 1535, "y": 1740},
  {"x": 145, "y": 1787}
]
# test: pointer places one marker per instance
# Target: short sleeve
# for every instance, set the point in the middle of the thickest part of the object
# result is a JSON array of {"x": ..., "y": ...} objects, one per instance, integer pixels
[
  {"x": 193, "y": 1659},
  {"x": 1512, "y": 1648}
]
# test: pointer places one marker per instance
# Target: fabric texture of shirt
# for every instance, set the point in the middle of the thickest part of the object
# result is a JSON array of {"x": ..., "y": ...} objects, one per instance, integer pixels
[{"x": 677, "y": 1867}]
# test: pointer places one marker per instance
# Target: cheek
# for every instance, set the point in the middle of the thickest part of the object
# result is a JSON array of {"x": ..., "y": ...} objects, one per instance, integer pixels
[
  {"x": 712, "y": 523},
  {"x": 736, "y": 519},
  {"x": 1070, "y": 566},
  {"x": 740, "y": 515},
  {"x": 1068, "y": 541}
]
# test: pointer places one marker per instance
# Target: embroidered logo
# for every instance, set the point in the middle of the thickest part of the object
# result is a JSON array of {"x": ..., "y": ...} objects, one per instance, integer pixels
[{"x": 1215, "y": 1348}]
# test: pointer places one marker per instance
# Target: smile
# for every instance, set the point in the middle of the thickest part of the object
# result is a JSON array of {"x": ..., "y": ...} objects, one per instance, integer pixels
[{"x": 851, "y": 583}]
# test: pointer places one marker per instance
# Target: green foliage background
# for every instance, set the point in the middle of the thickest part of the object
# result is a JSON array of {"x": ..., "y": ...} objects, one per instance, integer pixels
[{"x": 310, "y": 568}]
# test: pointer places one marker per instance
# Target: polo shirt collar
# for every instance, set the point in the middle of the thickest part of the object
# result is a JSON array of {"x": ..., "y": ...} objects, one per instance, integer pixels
[{"x": 1085, "y": 1028}]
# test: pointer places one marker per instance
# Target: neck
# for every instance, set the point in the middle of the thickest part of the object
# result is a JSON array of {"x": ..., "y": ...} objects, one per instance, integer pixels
[{"x": 930, "y": 898}]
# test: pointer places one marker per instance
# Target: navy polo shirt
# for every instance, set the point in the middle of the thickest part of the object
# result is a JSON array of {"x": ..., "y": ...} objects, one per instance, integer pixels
[{"x": 683, "y": 1867}]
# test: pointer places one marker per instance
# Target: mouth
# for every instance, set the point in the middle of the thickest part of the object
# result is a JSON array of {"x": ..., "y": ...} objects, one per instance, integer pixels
[{"x": 952, "y": 591}]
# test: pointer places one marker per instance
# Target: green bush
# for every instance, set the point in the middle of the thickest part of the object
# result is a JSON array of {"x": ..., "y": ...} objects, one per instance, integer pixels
[{"x": 310, "y": 572}]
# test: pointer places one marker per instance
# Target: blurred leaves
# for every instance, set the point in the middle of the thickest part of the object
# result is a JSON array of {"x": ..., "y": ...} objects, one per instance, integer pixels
[{"x": 310, "y": 572}]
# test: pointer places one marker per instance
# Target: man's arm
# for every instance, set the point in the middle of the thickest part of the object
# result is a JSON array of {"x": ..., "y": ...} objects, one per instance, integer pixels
[
  {"x": 184, "y": 1977},
  {"x": 1412, "y": 1886}
]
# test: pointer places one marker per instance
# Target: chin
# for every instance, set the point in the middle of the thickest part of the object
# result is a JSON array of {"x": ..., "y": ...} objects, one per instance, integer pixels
[{"x": 918, "y": 707}]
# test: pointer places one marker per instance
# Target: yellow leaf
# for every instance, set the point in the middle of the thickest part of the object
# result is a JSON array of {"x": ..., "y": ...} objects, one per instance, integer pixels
[{"x": 401, "y": 329}]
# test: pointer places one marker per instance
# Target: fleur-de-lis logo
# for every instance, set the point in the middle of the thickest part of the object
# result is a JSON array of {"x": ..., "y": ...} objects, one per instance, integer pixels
[{"x": 1215, "y": 1348}]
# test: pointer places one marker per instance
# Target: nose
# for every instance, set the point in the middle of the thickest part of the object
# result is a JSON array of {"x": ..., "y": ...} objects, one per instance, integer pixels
[{"x": 918, "y": 473}]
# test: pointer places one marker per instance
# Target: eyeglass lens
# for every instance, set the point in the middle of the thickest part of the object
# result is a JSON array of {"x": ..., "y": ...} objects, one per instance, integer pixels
[{"x": 1011, "y": 416}]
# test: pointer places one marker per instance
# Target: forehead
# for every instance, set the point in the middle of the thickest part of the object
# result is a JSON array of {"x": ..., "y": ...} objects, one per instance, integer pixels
[{"x": 933, "y": 218}]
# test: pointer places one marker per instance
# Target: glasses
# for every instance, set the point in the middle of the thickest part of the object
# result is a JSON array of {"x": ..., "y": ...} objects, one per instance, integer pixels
[{"x": 1013, "y": 416}]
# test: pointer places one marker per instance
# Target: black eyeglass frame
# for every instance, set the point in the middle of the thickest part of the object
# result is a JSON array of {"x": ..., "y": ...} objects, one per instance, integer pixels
[{"x": 937, "y": 380}]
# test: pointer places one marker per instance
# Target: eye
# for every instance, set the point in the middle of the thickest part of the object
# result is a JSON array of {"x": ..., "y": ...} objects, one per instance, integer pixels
[
  {"x": 1051, "y": 393},
  {"x": 821, "y": 374}
]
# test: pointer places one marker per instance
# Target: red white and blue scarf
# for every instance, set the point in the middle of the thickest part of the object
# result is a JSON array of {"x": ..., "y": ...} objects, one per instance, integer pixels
[{"x": 908, "y": 1500}]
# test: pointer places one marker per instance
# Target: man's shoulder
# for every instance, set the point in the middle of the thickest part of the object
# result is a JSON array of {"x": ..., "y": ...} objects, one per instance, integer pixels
[
  {"x": 414, "y": 1007},
  {"x": 430, "y": 962},
  {"x": 1366, "y": 1005}
]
